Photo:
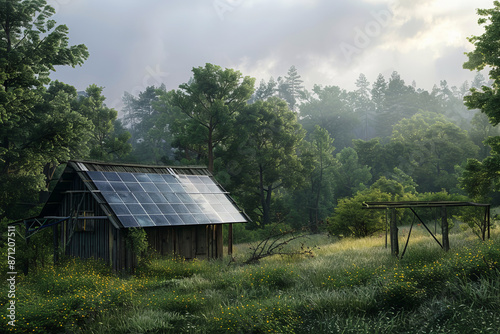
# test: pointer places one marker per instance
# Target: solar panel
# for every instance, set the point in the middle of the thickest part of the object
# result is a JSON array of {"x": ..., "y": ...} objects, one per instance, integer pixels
[{"x": 147, "y": 199}]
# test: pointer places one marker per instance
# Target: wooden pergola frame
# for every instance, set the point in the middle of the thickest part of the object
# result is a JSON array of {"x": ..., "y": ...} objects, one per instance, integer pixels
[{"x": 392, "y": 206}]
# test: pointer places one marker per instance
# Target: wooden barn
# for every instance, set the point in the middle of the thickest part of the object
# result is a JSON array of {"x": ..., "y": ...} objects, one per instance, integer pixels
[{"x": 94, "y": 204}]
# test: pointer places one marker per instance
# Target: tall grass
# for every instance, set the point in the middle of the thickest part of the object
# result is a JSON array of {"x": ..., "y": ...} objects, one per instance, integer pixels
[{"x": 348, "y": 286}]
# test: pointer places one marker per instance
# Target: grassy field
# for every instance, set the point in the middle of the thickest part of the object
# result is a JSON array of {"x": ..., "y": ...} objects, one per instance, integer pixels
[{"x": 347, "y": 286}]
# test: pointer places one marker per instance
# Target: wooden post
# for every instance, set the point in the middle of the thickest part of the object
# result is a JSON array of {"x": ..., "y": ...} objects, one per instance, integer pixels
[
  {"x": 219, "y": 241},
  {"x": 56, "y": 243},
  {"x": 394, "y": 233},
  {"x": 488, "y": 220},
  {"x": 386, "y": 223},
  {"x": 230, "y": 240},
  {"x": 444, "y": 229}
]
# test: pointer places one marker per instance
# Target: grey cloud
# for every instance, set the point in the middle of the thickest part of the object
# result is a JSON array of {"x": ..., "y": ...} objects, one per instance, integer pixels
[{"x": 127, "y": 39}]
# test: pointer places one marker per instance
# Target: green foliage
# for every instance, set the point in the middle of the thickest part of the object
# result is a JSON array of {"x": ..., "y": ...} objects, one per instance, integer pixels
[
  {"x": 265, "y": 152},
  {"x": 350, "y": 219},
  {"x": 211, "y": 100},
  {"x": 137, "y": 240},
  {"x": 351, "y": 286},
  {"x": 473, "y": 218},
  {"x": 330, "y": 108},
  {"x": 485, "y": 54},
  {"x": 350, "y": 175},
  {"x": 435, "y": 146},
  {"x": 37, "y": 124},
  {"x": 175, "y": 267},
  {"x": 321, "y": 176},
  {"x": 104, "y": 143},
  {"x": 479, "y": 178}
]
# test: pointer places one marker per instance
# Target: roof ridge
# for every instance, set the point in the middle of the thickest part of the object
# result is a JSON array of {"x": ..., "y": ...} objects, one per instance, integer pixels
[{"x": 125, "y": 164}]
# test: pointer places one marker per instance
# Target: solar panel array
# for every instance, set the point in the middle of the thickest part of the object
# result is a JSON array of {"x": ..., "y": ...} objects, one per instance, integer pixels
[{"x": 144, "y": 199}]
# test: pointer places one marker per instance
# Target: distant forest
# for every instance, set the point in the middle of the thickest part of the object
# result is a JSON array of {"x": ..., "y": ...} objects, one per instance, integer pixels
[{"x": 286, "y": 154}]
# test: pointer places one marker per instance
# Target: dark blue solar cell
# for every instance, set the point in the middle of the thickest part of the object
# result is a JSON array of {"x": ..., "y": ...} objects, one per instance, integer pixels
[
  {"x": 172, "y": 198},
  {"x": 201, "y": 218},
  {"x": 163, "y": 187},
  {"x": 174, "y": 219},
  {"x": 96, "y": 176},
  {"x": 165, "y": 208},
  {"x": 127, "y": 177},
  {"x": 188, "y": 219},
  {"x": 143, "y": 198},
  {"x": 111, "y": 176},
  {"x": 134, "y": 187},
  {"x": 176, "y": 188},
  {"x": 142, "y": 177},
  {"x": 136, "y": 209},
  {"x": 159, "y": 220},
  {"x": 193, "y": 208},
  {"x": 206, "y": 207},
  {"x": 185, "y": 198},
  {"x": 119, "y": 186},
  {"x": 180, "y": 208},
  {"x": 214, "y": 218},
  {"x": 128, "y": 221},
  {"x": 127, "y": 197},
  {"x": 112, "y": 197},
  {"x": 198, "y": 198},
  {"x": 156, "y": 178},
  {"x": 103, "y": 186},
  {"x": 151, "y": 209},
  {"x": 149, "y": 187},
  {"x": 157, "y": 198},
  {"x": 119, "y": 209},
  {"x": 169, "y": 178},
  {"x": 144, "y": 220},
  {"x": 189, "y": 188}
]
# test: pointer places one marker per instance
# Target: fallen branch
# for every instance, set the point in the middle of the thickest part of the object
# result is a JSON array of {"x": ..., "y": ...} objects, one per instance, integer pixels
[{"x": 274, "y": 245}]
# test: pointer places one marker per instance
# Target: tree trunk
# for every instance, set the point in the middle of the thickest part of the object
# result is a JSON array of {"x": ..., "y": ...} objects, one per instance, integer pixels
[{"x": 265, "y": 198}]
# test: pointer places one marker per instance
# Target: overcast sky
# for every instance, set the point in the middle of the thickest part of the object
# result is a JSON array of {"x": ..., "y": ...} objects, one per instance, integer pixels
[{"x": 134, "y": 44}]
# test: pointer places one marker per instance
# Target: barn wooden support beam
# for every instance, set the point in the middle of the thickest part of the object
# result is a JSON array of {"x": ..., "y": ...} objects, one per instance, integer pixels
[{"x": 230, "y": 240}]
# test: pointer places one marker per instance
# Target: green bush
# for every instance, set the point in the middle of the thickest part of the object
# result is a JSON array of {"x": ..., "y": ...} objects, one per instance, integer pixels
[{"x": 350, "y": 219}]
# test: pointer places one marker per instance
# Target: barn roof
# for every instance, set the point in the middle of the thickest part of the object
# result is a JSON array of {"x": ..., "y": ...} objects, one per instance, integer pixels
[{"x": 145, "y": 195}]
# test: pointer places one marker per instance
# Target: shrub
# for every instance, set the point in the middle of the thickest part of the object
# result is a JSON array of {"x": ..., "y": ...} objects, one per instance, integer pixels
[{"x": 350, "y": 219}]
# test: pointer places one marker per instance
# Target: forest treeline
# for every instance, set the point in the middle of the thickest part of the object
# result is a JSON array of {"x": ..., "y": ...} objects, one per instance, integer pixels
[
  {"x": 289, "y": 155},
  {"x": 286, "y": 154}
]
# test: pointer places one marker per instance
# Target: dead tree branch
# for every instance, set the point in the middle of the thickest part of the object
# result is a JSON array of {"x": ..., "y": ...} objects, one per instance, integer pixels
[{"x": 274, "y": 245}]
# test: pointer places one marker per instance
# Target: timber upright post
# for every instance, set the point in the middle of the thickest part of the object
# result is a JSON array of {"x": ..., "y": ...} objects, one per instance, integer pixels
[
  {"x": 230, "y": 240},
  {"x": 444, "y": 229},
  {"x": 394, "y": 233}
]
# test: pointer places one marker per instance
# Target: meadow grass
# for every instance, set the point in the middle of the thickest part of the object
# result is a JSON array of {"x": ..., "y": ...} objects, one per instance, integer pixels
[{"x": 345, "y": 286}]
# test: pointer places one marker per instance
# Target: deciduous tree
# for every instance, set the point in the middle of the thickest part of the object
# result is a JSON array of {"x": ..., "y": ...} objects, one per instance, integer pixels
[
  {"x": 211, "y": 100},
  {"x": 37, "y": 126}
]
